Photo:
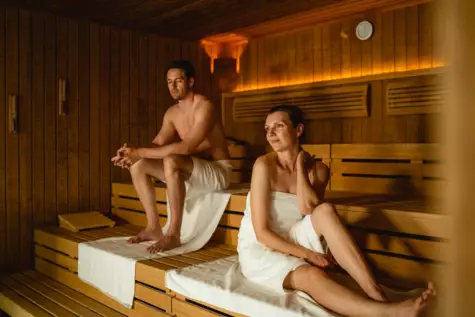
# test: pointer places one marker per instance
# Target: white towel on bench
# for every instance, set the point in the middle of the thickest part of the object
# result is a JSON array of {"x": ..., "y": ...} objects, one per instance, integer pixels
[
  {"x": 221, "y": 283},
  {"x": 109, "y": 264}
]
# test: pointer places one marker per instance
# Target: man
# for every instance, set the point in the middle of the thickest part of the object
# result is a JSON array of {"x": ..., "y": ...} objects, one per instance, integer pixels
[{"x": 200, "y": 158}]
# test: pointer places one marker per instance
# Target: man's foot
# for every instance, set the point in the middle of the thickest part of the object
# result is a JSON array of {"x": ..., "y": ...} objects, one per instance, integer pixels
[
  {"x": 165, "y": 243},
  {"x": 416, "y": 306},
  {"x": 147, "y": 234}
]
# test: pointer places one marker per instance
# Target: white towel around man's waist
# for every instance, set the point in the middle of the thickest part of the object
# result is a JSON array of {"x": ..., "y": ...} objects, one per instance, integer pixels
[
  {"x": 221, "y": 283},
  {"x": 109, "y": 264}
]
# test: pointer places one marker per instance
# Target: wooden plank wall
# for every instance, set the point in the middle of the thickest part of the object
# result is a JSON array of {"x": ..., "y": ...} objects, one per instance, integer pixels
[
  {"x": 116, "y": 93},
  {"x": 404, "y": 39}
]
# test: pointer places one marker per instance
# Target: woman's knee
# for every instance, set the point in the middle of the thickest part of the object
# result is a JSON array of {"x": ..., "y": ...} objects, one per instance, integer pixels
[
  {"x": 304, "y": 277},
  {"x": 324, "y": 210}
]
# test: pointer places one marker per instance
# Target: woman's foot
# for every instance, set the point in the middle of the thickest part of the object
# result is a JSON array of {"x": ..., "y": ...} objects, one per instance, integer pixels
[
  {"x": 416, "y": 306},
  {"x": 147, "y": 234}
]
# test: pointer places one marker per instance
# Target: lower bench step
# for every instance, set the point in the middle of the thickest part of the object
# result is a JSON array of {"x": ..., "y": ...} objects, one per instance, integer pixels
[{"x": 33, "y": 294}]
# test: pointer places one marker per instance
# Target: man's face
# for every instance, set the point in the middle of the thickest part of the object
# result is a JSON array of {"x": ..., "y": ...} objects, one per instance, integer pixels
[
  {"x": 280, "y": 132},
  {"x": 178, "y": 84}
]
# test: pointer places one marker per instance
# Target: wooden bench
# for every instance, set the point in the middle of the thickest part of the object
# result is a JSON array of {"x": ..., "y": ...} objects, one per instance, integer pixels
[{"x": 402, "y": 236}]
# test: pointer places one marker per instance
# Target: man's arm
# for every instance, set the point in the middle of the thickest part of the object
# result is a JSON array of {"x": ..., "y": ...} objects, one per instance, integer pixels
[
  {"x": 310, "y": 191},
  {"x": 167, "y": 131},
  {"x": 204, "y": 120}
]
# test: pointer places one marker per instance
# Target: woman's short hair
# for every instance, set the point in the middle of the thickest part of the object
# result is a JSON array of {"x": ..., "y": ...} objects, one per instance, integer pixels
[{"x": 295, "y": 113}]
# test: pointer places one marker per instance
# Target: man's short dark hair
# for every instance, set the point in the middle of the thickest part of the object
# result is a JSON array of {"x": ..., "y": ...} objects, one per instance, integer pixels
[
  {"x": 185, "y": 65},
  {"x": 295, "y": 113}
]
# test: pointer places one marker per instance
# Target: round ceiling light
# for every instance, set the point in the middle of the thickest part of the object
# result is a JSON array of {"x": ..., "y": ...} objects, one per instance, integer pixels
[{"x": 364, "y": 30}]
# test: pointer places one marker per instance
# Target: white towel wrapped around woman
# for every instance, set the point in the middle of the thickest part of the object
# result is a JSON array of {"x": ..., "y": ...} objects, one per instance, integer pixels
[{"x": 263, "y": 265}]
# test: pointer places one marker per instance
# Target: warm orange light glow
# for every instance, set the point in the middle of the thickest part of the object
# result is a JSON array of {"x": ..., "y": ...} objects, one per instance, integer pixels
[
  {"x": 328, "y": 77},
  {"x": 225, "y": 45}
]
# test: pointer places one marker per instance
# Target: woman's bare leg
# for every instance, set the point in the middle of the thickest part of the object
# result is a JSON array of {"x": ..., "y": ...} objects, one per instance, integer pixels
[
  {"x": 335, "y": 297},
  {"x": 326, "y": 222}
]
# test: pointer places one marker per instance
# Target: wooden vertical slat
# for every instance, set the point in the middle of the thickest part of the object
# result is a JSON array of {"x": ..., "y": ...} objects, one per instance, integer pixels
[
  {"x": 51, "y": 112},
  {"x": 400, "y": 39},
  {"x": 62, "y": 124},
  {"x": 134, "y": 90},
  {"x": 84, "y": 116},
  {"x": 336, "y": 55},
  {"x": 161, "y": 88},
  {"x": 24, "y": 106},
  {"x": 116, "y": 142},
  {"x": 3, "y": 124},
  {"x": 143, "y": 103},
  {"x": 412, "y": 37},
  {"x": 439, "y": 25},
  {"x": 12, "y": 159},
  {"x": 73, "y": 117},
  {"x": 152, "y": 87},
  {"x": 283, "y": 60},
  {"x": 317, "y": 54},
  {"x": 377, "y": 45},
  {"x": 305, "y": 55},
  {"x": 388, "y": 41},
  {"x": 425, "y": 34},
  {"x": 347, "y": 50},
  {"x": 105, "y": 152},
  {"x": 254, "y": 64},
  {"x": 261, "y": 62},
  {"x": 94, "y": 125},
  {"x": 38, "y": 115},
  {"x": 124, "y": 40},
  {"x": 291, "y": 53},
  {"x": 273, "y": 62},
  {"x": 366, "y": 55},
  {"x": 412, "y": 53},
  {"x": 327, "y": 53},
  {"x": 204, "y": 69},
  {"x": 356, "y": 50}
]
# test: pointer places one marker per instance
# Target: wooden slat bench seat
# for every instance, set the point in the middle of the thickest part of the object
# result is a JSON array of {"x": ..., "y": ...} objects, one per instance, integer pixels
[
  {"x": 56, "y": 257},
  {"x": 33, "y": 294}
]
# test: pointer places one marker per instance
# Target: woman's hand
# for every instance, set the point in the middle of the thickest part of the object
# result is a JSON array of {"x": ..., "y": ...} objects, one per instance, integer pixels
[{"x": 319, "y": 259}]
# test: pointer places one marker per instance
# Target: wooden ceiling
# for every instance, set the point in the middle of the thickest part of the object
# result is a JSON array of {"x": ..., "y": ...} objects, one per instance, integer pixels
[{"x": 185, "y": 19}]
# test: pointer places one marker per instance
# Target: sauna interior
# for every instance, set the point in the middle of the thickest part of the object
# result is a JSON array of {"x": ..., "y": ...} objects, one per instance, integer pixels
[{"x": 78, "y": 79}]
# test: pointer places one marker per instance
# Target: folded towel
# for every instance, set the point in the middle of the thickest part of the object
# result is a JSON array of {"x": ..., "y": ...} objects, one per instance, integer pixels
[{"x": 109, "y": 264}]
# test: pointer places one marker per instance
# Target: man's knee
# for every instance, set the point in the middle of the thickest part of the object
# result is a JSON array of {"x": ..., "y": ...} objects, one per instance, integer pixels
[
  {"x": 171, "y": 164},
  {"x": 139, "y": 167}
]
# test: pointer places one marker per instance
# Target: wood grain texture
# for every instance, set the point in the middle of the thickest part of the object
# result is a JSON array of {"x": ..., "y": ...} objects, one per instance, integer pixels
[{"x": 61, "y": 163}]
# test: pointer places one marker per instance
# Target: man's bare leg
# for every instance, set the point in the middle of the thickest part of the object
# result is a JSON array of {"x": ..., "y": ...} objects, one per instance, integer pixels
[
  {"x": 326, "y": 222},
  {"x": 177, "y": 169},
  {"x": 141, "y": 172},
  {"x": 328, "y": 293}
]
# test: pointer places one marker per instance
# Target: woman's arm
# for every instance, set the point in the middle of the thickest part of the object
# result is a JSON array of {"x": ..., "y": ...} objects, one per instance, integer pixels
[
  {"x": 310, "y": 190},
  {"x": 260, "y": 210}
]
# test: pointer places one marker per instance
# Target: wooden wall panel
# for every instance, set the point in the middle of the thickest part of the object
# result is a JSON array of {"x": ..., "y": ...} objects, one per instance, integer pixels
[
  {"x": 116, "y": 93},
  {"x": 403, "y": 40},
  {"x": 12, "y": 141},
  {"x": 3, "y": 124},
  {"x": 25, "y": 134}
]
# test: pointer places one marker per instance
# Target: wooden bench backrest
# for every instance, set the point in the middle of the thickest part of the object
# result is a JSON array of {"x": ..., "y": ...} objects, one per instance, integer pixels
[
  {"x": 240, "y": 162},
  {"x": 402, "y": 240},
  {"x": 386, "y": 168}
]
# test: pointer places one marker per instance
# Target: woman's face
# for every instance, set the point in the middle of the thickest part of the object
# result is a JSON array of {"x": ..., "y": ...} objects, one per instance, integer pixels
[{"x": 280, "y": 132}]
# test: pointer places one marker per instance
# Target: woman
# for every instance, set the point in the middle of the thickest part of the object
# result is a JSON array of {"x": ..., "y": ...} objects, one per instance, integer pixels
[{"x": 287, "y": 227}]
